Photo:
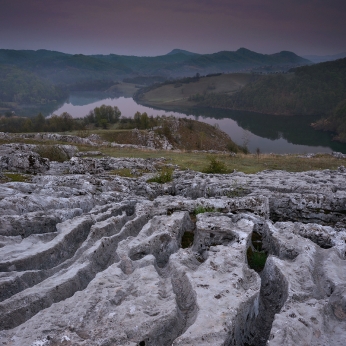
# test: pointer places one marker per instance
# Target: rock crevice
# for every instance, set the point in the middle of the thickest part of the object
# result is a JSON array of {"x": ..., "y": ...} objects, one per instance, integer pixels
[{"x": 96, "y": 259}]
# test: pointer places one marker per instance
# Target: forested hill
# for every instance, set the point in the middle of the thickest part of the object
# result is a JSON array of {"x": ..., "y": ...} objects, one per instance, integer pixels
[
  {"x": 180, "y": 63},
  {"x": 336, "y": 122},
  {"x": 61, "y": 68},
  {"x": 315, "y": 89},
  {"x": 23, "y": 87}
]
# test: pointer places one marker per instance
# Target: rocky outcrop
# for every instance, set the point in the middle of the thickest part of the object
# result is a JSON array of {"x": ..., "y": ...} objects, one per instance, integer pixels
[
  {"x": 149, "y": 140},
  {"x": 90, "y": 258},
  {"x": 315, "y": 196},
  {"x": 152, "y": 140},
  {"x": 22, "y": 158}
]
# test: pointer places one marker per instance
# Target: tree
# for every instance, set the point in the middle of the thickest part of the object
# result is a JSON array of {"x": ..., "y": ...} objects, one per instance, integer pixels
[
  {"x": 137, "y": 119},
  {"x": 27, "y": 125},
  {"x": 144, "y": 120},
  {"x": 39, "y": 122},
  {"x": 104, "y": 114}
]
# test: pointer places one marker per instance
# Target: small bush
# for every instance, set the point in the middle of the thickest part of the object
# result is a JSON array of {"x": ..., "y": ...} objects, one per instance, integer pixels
[
  {"x": 215, "y": 166},
  {"x": 52, "y": 152},
  {"x": 244, "y": 149},
  {"x": 234, "y": 148},
  {"x": 256, "y": 256},
  {"x": 164, "y": 176}
]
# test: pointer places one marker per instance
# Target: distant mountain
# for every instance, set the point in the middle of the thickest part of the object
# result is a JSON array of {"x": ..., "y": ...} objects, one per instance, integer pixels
[
  {"x": 243, "y": 60},
  {"x": 181, "y": 51},
  {"x": 61, "y": 68},
  {"x": 68, "y": 69},
  {"x": 322, "y": 58}
]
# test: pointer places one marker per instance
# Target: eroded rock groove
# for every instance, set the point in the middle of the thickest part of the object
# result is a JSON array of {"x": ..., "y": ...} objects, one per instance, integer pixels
[{"x": 96, "y": 259}]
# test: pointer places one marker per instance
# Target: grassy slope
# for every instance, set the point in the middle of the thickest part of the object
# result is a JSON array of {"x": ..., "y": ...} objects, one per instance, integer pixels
[
  {"x": 243, "y": 163},
  {"x": 199, "y": 161},
  {"x": 170, "y": 95},
  {"x": 184, "y": 134}
]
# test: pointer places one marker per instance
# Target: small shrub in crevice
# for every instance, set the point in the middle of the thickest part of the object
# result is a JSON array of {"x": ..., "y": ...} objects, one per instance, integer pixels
[
  {"x": 52, "y": 152},
  {"x": 165, "y": 176},
  {"x": 256, "y": 256},
  {"x": 256, "y": 259},
  {"x": 200, "y": 210},
  {"x": 215, "y": 166}
]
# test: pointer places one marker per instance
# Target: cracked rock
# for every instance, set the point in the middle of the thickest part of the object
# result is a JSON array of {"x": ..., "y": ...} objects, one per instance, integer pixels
[{"x": 90, "y": 258}]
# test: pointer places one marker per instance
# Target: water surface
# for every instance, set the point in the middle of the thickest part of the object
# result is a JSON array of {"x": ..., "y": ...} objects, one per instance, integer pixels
[{"x": 269, "y": 133}]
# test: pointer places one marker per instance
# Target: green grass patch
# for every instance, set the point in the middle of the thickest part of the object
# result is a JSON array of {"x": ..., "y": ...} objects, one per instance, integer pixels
[
  {"x": 165, "y": 176},
  {"x": 241, "y": 162},
  {"x": 18, "y": 177},
  {"x": 201, "y": 209},
  {"x": 198, "y": 161}
]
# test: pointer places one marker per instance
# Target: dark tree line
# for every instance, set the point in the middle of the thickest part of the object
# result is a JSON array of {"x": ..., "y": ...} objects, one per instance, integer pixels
[
  {"x": 103, "y": 116},
  {"x": 56, "y": 123}
]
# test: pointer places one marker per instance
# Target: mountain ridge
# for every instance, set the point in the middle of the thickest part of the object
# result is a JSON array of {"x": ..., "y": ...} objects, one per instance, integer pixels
[
  {"x": 181, "y": 51},
  {"x": 62, "y": 68}
]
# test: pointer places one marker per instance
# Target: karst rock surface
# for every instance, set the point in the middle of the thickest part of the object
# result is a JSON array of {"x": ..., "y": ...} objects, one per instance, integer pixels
[{"x": 90, "y": 258}]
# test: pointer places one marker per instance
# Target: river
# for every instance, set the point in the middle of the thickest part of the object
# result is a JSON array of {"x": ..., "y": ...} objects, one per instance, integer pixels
[{"x": 271, "y": 134}]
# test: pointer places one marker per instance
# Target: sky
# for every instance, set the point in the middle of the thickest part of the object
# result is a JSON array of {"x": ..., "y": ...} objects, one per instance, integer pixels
[{"x": 155, "y": 27}]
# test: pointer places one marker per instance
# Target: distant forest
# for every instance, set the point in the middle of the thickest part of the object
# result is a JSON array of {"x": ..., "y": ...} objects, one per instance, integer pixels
[
  {"x": 24, "y": 87},
  {"x": 309, "y": 90}
]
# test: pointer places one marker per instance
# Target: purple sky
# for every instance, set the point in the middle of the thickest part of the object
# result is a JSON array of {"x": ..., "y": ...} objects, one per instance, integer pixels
[{"x": 154, "y": 27}]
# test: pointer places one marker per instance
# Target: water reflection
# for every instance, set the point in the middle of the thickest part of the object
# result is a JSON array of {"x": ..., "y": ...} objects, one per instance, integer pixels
[
  {"x": 293, "y": 129},
  {"x": 269, "y": 133},
  {"x": 33, "y": 110}
]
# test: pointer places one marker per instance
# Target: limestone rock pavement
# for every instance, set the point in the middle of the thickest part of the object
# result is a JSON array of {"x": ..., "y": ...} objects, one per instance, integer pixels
[{"x": 91, "y": 258}]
